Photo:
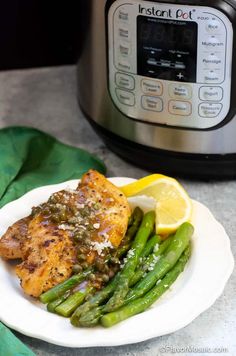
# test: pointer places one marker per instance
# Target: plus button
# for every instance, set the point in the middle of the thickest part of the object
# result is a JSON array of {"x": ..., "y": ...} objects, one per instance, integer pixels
[{"x": 180, "y": 75}]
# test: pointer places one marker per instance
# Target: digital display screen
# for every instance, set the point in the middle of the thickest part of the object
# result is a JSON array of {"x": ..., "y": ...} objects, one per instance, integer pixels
[{"x": 167, "y": 49}]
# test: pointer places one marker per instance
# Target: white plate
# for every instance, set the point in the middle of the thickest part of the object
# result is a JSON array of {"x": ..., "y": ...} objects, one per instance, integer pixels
[{"x": 197, "y": 288}]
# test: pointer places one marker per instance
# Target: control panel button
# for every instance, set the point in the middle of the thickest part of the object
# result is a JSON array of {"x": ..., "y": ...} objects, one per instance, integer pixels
[
  {"x": 152, "y": 61},
  {"x": 151, "y": 87},
  {"x": 124, "y": 32},
  {"x": 179, "y": 66},
  {"x": 211, "y": 93},
  {"x": 124, "y": 81},
  {"x": 125, "y": 97},
  {"x": 212, "y": 77},
  {"x": 123, "y": 15},
  {"x": 180, "y": 91},
  {"x": 213, "y": 42},
  {"x": 123, "y": 64},
  {"x": 124, "y": 49},
  {"x": 152, "y": 103},
  {"x": 209, "y": 109},
  {"x": 212, "y": 61},
  {"x": 180, "y": 75},
  {"x": 182, "y": 108},
  {"x": 213, "y": 26}
]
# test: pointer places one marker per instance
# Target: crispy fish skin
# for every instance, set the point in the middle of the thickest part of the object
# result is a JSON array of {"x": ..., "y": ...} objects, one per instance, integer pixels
[
  {"x": 11, "y": 243},
  {"x": 49, "y": 251}
]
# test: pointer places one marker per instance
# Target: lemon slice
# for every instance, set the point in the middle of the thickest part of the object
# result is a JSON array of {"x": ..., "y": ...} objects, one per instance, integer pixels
[{"x": 173, "y": 203}]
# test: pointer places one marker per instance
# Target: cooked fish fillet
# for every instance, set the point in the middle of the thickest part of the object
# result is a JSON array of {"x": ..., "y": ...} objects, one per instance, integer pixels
[
  {"x": 12, "y": 241},
  {"x": 50, "y": 255},
  {"x": 113, "y": 212},
  {"x": 90, "y": 220}
]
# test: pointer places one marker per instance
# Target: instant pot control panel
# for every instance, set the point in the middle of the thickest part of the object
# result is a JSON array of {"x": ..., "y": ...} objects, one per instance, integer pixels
[{"x": 170, "y": 64}]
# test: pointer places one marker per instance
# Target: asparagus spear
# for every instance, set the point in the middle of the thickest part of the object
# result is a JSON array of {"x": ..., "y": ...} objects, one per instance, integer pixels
[
  {"x": 131, "y": 232},
  {"x": 141, "y": 304},
  {"x": 92, "y": 317},
  {"x": 72, "y": 302},
  {"x": 52, "y": 305},
  {"x": 151, "y": 260},
  {"x": 94, "y": 301},
  {"x": 151, "y": 243},
  {"x": 60, "y": 289},
  {"x": 166, "y": 262},
  {"x": 137, "y": 219},
  {"x": 127, "y": 272}
]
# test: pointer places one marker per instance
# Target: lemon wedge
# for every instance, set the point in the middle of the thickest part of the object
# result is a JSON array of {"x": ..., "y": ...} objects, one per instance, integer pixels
[
  {"x": 136, "y": 187},
  {"x": 173, "y": 205}
]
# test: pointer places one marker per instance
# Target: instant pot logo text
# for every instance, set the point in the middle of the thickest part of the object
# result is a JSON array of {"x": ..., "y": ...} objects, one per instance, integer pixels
[{"x": 170, "y": 14}]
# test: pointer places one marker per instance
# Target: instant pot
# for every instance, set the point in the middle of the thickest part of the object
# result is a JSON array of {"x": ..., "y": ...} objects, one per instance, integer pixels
[{"x": 157, "y": 81}]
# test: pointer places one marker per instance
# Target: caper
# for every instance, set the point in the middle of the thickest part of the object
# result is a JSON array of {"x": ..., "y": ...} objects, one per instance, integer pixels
[
  {"x": 56, "y": 218},
  {"x": 46, "y": 211},
  {"x": 81, "y": 257},
  {"x": 78, "y": 237},
  {"x": 85, "y": 265},
  {"x": 82, "y": 250},
  {"x": 99, "y": 279},
  {"x": 63, "y": 215},
  {"x": 76, "y": 268},
  {"x": 72, "y": 220},
  {"x": 90, "y": 227},
  {"x": 105, "y": 278},
  {"x": 111, "y": 273},
  {"x": 73, "y": 210},
  {"x": 54, "y": 209},
  {"x": 92, "y": 277},
  {"x": 84, "y": 212},
  {"x": 114, "y": 260},
  {"x": 53, "y": 199},
  {"x": 87, "y": 241},
  {"x": 85, "y": 234},
  {"x": 35, "y": 210},
  {"x": 99, "y": 265}
]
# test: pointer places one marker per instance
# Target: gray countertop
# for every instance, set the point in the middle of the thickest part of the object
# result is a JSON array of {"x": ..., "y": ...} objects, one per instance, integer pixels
[{"x": 46, "y": 99}]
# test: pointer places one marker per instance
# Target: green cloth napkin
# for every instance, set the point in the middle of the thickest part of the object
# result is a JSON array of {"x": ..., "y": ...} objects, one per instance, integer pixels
[
  {"x": 10, "y": 345},
  {"x": 30, "y": 158}
]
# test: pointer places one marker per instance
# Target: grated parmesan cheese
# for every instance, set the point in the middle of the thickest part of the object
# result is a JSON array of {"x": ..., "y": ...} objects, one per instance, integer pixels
[
  {"x": 130, "y": 253},
  {"x": 156, "y": 248},
  {"x": 100, "y": 246},
  {"x": 65, "y": 227}
]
